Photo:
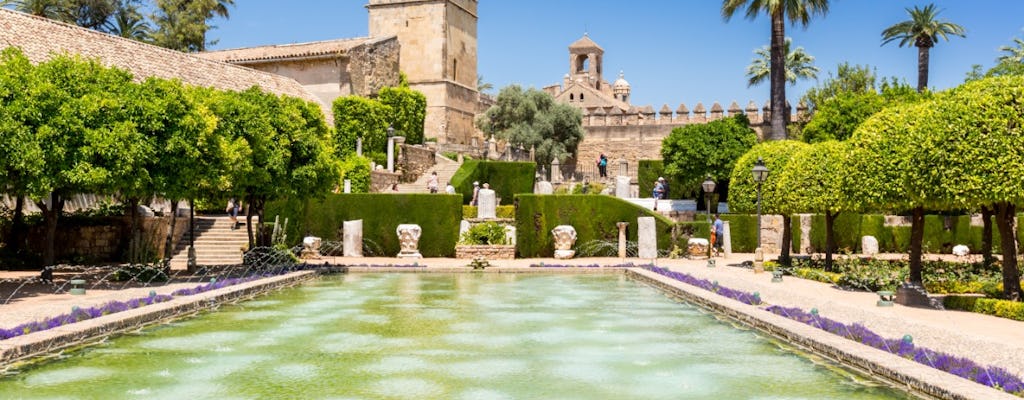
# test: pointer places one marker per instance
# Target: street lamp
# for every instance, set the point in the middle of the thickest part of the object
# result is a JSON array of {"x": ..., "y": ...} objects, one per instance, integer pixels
[
  {"x": 709, "y": 187},
  {"x": 391, "y": 130},
  {"x": 760, "y": 174}
]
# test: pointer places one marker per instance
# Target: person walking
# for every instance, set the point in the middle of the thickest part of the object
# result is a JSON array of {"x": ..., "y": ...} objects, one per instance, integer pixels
[
  {"x": 658, "y": 191},
  {"x": 232, "y": 210},
  {"x": 432, "y": 182},
  {"x": 719, "y": 236},
  {"x": 476, "y": 193},
  {"x": 602, "y": 166}
]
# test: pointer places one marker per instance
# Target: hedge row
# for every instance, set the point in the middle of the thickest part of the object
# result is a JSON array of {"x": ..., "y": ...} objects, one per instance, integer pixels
[
  {"x": 437, "y": 215},
  {"x": 507, "y": 179},
  {"x": 1000, "y": 308},
  {"x": 941, "y": 233},
  {"x": 500, "y": 211},
  {"x": 594, "y": 218}
]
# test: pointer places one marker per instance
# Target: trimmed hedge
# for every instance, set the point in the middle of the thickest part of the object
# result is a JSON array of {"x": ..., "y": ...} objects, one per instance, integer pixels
[
  {"x": 507, "y": 179},
  {"x": 648, "y": 172},
  {"x": 594, "y": 218},
  {"x": 1000, "y": 308},
  {"x": 743, "y": 232},
  {"x": 438, "y": 215},
  {"x": 500, "y": 211}
]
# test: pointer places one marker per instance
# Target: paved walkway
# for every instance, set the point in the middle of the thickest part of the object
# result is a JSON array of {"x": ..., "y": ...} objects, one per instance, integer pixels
[{"x": 985, "y": 339}]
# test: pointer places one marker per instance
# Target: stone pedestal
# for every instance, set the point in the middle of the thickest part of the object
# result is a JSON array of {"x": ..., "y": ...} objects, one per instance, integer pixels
[
  {"x": 565, "y": 238},
  {"x": 912, "y": 295},
  {"x": 622, "y": 238},
  {"x": 391, "y": 155},
  {"x": 352, "y": 238},
  {"x": 348, "y": 186},
  {"x": 409, "y": 240},
  {"x": 310, "y": 248},
  {"x": 726, "y": 239},
  {"x": 544, "y": 187},
  {"x": 622, "y": 187},
  {"x": 647, "y": 238},
  {"x": 556, "y": 171},
  {"x": 487, "y": 204},
  {"x": 697, "y": 247},
  {"x": 510, "y": 235},
  {"x": 758, "y": 260},
  {"x": 868, "y": 246},
  {"x": 805, "y": 233}
]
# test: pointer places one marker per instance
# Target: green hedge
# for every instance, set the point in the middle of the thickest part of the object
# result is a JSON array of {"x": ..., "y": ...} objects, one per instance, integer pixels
[
  {"x": 438, "y": 215},
  {"x": 594, "y": 218},
  {"x": 1000, "y": 308},
  {"x": 648, "y": 172},
  {"x": 743, "y": 232},
  {"x": 507, "y": 179},
  {"x": 500, "y": 211}
]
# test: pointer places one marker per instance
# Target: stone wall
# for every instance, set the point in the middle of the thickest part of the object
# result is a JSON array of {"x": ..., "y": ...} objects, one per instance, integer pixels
[
  {"x": 373, "y": 65},
  {"x": 106, "y": 239},
  {"x": 382, "y": 180},
  {"x": 415, "y": 161},
  {"x": 488, "y": 252}
]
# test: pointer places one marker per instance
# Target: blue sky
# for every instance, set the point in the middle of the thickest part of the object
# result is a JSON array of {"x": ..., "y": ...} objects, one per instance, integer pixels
[{"x": 671, "y": 51}]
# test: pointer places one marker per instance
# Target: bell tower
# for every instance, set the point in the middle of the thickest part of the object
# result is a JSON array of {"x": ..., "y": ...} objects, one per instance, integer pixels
[
  {"x": 438, "y": 40},
  {"x": 585, "y": 59}
]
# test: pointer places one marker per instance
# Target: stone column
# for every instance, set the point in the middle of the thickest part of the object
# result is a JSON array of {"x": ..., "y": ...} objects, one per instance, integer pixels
[
  {"x": 647, "y": 238},
  {"x": 622, "y": 187},
  {"x": 622, "y": 238},
  {"x": 623, "y": 167},
  {"x": 348, "y": 186},
  {"x": 556, "y": 171},
  {"x": 805, "y": 233},
  {"x": 352, "y": 232},
  {"x": 487, "y": 204},
  {"x": 409, "y": 240},
  {"x": 565, "y": 237},
  {"x": 391, "y": 155},
  {"x": 726, "y": 239},
  {"x": 359, "y": 146}
]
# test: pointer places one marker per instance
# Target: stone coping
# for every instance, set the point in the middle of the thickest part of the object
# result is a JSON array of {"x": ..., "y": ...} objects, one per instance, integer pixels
[
  {"x": 906, "y": 374},
  {"x": 488, "y": 270},
  {"x": 40, "y": 343}
]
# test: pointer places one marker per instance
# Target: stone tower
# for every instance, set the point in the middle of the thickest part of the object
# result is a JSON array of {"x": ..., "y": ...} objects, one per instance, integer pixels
[
  {"x": 439, "y": 57},
  {"x": 585, "y": 62}
]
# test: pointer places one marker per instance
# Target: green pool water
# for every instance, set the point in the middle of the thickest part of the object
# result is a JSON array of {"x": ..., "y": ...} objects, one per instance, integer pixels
[{"x": 468, "y": 336}]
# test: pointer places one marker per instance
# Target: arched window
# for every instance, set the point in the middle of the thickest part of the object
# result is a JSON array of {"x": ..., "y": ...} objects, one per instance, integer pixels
[
  {"x": 581, "y": 96},
  {"x": 582, "y": 63},
  {"x": 571, "y": 97}
]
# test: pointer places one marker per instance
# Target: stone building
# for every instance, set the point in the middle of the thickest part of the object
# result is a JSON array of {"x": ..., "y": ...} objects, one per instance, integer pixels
[
  {"x": 434, "y": 42},
  {"x": 620, "y": 130}
]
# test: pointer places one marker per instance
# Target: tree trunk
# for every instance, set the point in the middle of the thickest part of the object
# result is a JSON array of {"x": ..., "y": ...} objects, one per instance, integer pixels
[
  {"x": 17, "y": 225},
  {"x": 922, "y": 68},
  {"x": 986, "y": 235},
  {"x": 1011, "y": 276},
  {"x": 248, "y": 222},
  {"x": 261, "y": 234},
  {"x": 168, "y": 249},
  {"x": 135, "y": 238},
  {"x": 830, "y": 239},
  {"x": 916, "y": 242},
  {"x": 787, "y": 240},
  {"x": 50, "y": 215},
  {"x": 777, "y": 76}
]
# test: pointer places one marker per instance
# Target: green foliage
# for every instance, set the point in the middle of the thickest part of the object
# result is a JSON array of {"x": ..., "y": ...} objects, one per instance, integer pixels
[
  {"x": 847, "y": 232},
  {"x": 533, "y": 118},
  {"x": 593, "y": 217},
  {"x": 484, "y": 233},
  {"x": 1000, "y": 308},
  {"x": 798, "y": 64},
  {"x": 815, "y": 177},
  {"x": 692, "y": 152},
  {"x": 648, "y": 172},
  {"x": 508, "y": 212},
  {"x": 140, "y": 273},
  {"x": 870, "y": 275},
  {"x": 438, "y": 216},
  {"x": 507, "y": 179},
  {"x": 837, "y": 117},
  {"x": 742, "y": 231},
  {"x": 742, "y": 188},
  {"x": 182, "y": 24},
  {"x": 816, "y": 274},
  {"x": 357, "y": 170},
  {"x": 849, "y": 79},
  {"x": 355, "y": 117},
  {"x": 409, "y": 110}
]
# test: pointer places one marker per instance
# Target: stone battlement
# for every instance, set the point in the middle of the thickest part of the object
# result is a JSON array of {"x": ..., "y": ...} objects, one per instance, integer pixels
[{"x": 612, "y": 116}]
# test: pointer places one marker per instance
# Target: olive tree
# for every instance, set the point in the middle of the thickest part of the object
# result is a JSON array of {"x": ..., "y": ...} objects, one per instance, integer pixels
[
  {"x": 532, "y": 118},
  {"x": 743, "y": 189},
  {"x": 21, "y": 158}
]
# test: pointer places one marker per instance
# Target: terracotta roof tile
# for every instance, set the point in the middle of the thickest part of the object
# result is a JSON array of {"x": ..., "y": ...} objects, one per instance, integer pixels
[
  {"x": 279, "y": 51},
  {"x": 40, "y": 38}
]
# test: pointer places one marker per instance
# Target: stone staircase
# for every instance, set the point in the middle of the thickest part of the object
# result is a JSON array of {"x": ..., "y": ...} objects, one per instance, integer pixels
[
  {"x": 444, "y": 167},
  {"x": 216, "y": 243}
]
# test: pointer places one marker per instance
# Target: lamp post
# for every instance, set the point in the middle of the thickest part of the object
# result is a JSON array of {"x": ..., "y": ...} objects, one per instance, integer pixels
[
  {"x": 760, "y": 174},
  {"x": 709, "y": 187}
]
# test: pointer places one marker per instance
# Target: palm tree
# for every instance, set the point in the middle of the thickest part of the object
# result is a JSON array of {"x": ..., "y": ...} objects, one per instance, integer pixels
[
  {"x": 129, "y": 23},
  {"x": 799, "y": 65},
  {"x": 923, "y": 30},
  {"x": 779, "y": 10},
  {"x": 1015, "y": 54},
  {"x": 483, "y": 86},
  {"x": 52, "y": 9}
]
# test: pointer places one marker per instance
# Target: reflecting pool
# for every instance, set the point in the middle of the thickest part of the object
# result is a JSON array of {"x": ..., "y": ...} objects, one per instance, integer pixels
[{"x": 428, "y": 336}]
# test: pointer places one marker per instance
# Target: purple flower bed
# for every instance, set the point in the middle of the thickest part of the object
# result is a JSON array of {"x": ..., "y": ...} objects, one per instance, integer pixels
[
  {"x": 994, "y": 377},
  {"x": 741, "y": 296},
  {"x": 81, "y": 314},
  {"x": 542, "y": 265},
  {"x": 216, "y": 285}
]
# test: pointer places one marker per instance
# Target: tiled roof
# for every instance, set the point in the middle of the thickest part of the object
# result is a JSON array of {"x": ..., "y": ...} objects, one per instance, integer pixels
[
  {"x": 39, "y": 38},
  {"x": 279, "y": 51},
  {"x": 584, "y": 43}
]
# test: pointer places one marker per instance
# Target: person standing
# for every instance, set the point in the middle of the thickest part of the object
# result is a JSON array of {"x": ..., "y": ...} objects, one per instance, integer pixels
[
  {"x": 432, "y": 182},
  {"x": 449, "y": 189},
  {"x": 602, "y": 166},
  {"x": 232, "y": 210},
  {"x": 476, "y": 193},
  {"x": 719, "y": 229},
  {"x": 659, "y": 190}
]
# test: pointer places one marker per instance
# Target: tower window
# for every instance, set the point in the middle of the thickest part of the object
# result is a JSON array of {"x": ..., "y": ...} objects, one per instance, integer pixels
[
  {"x": 570, "y": 97},
  {"x": 455, "y": 69},
  {"x": 581, "y": 96}
]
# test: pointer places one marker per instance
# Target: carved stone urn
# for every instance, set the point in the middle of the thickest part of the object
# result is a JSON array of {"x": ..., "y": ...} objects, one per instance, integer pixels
[
  {"x": 409, "y": 240},
  {"x": 565, "y": 237}
]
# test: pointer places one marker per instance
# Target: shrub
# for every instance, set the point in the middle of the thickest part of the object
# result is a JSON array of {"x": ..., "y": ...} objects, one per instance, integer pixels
[
  {"x": 508, "y": 212},
  {"x": 437, "y": 214},
  {"x": 816, "y": 274},
  {"x": 141, "y": 273},
  {"x": 357, "y": 170},
  {"x": 742, "y": 231},
  {"x": 506, "y": 178},
  {"x": 1000, "y": 308},
  {"x": 593, "y": 217},
  {"x": 648, "y": 172},
  {"x": 870, "y": 275},
  {"x": 484, "y": 233}
]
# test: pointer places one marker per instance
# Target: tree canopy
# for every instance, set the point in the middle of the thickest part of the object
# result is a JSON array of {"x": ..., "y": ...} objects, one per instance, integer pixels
[
  {"x": 799, "y": 65},
  {"x": 532, "y": 118},
  {"x": 693, "y": 152}
]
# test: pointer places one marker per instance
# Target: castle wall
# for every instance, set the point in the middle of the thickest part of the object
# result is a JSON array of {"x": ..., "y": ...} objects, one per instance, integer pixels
[
  {"x": 326, "y": 78},
  {"x": 373, "y": 65}
]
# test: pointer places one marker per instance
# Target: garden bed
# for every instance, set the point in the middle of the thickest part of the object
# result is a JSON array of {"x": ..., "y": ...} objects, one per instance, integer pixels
[{"x": 486, "y": 251}]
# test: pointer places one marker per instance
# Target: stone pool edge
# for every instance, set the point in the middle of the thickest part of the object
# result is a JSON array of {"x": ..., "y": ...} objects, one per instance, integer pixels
[
  {"x": 42, "y": 343},
  {"x": 906, "y": 374}
]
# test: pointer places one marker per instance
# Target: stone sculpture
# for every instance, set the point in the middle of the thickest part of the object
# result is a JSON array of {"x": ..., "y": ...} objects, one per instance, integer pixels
[
  {"x": 961, "y": 250},
  {"x": 565, "y": 238},
  {"x": 869, "y": 245},
  {"x": 352, "y": 236},
  {"x": 409, "y": 239},
  {"x": 310, "y": 248}
]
